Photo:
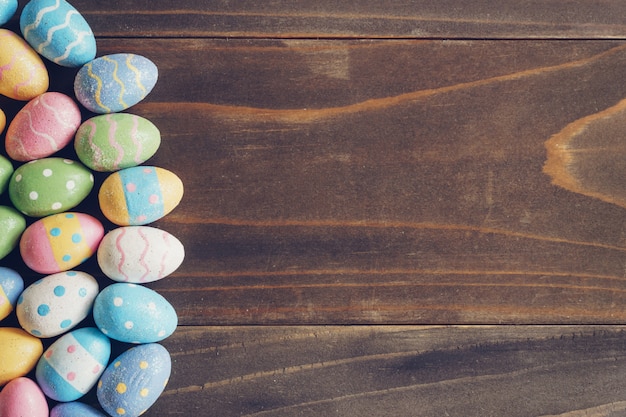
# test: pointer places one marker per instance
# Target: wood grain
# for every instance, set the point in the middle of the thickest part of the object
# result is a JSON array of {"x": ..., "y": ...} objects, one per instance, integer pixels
[
  {"x": 400, "y": 371},
  {"x": 356, "y": 169}
]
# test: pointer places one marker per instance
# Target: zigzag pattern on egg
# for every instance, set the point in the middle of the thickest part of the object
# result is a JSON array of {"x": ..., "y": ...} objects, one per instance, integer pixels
[{"x": 52, "y": 240}]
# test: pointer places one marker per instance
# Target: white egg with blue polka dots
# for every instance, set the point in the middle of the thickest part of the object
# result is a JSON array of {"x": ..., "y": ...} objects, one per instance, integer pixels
[{"x": 57, "y": 303}]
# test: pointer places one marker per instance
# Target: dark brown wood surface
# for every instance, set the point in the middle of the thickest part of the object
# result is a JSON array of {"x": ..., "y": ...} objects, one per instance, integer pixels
[{"x": 445, "y": 164}]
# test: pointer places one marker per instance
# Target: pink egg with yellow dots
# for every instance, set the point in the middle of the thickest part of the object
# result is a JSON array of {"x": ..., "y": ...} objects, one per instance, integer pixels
[{"x": 60, "y": 242}]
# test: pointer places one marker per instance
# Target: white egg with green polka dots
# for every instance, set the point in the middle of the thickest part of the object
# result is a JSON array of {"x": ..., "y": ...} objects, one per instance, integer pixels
[{"x": 57, "y": 303}]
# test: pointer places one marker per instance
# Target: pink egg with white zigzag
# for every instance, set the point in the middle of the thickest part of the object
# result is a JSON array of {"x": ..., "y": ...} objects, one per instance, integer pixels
[
  {"x": 44, "y": 126},
  {"x": 139, "y": 254}
]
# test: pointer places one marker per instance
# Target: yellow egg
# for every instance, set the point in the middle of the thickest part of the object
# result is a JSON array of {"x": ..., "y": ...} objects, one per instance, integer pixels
[
  {"x": 24, "y": 75},
  {"x": 139, "y": 195},
  {"x": 19, "y": 353},
  {"x": 3, "y": 120}
]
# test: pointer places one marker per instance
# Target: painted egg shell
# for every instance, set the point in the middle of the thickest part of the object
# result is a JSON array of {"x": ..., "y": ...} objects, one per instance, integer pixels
[
  {"x": 139, "y": 195},
  {"x": 57, "y": 303},
  {"x": 22, "y": 397},
  {"x": 113, "y": 83},
  {"x": 75, "y": 409},
  {"x": 3, "y": 118},
  {"x": 44, "y": 126},
  {"x": 50, "y": 185},
  {"x": 19, "y": 353},
  {"x": 12, "y": 225},
  {"x": 116, "y": 141},
  {"x": 134, "y": 380},
  {"x": 6, "y": 170},
  {"x": 24, "y": 76},
  {"x": 139, "y": 254},
  {"x": 7, "y": 10},
  {"x": 56, "y": 30},
  {"x": 11, "y": 286},
  {"x": 71, "y": 366},
  {"x": 134, "y": 314},
  {"x": 60, "y": 242}
]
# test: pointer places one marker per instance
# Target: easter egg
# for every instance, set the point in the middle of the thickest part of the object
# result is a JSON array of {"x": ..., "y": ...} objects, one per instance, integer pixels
[
  {"x": 57, "y": 303},
  {"x": 6, "y": 170},
  {"x": 3, "y": 118},
  {"x": 11, "y": 286},
  {"x": 60, "y": 242},
  {"x": 139, "y": 254},
  {"x": 12, "y": 225},
  {"x": 56, "y": 30},
  {"x": 7, "y": 10},
  {"x": 75, "y": 409},
  {"x": 134, "y": 380},
  {"x": 113, "y": 83},
  {"x": 116, "y": 141},
  {"x": 139, "y": 195},
  {"x": 134, "y": 314},
  {"x": 19, "y": 353},
  {"x": 44, "y": 126},
  {"x": 22, "y": 397},
  {"x": 72, "y": 365},
  {"x": 49, "y": 186},
  {"x": 24, "y": 75}
]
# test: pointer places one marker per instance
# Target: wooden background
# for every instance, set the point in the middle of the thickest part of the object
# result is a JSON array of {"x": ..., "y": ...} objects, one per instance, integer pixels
[{"x": 411, "y": 209}]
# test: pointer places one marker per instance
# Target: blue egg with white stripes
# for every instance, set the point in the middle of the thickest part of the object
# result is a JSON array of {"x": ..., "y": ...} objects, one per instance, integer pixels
[
  {"x": 58, "y": 32},
  {"x": 113, "y": 83},
  {"x": 7, "y": 10},
  {"x": 72, "y": 365}
]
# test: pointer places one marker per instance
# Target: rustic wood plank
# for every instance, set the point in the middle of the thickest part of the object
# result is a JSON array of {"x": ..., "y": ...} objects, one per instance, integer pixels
[
  {"x": 496, "y": 19},
  {"x": 325, "y": 188},
  {"x": 396, "y": 371}
]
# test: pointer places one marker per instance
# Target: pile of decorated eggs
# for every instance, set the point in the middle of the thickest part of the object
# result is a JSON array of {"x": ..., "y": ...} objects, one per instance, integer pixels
[{"x": 51, "y": 358}]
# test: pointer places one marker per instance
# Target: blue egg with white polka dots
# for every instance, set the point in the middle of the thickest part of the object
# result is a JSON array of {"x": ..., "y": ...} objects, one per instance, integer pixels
[
  {"x": 132, "y": 313},
  {"x": 11, "y": 286},
  {"x": 75, "y": 409},
  {"x": 134, "y": 380},
  {"x": 57, "y": 303}
]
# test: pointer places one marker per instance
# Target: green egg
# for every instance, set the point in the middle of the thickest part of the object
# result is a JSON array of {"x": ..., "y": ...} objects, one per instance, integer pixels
[
  {"x": 111, "y": 142},
  {"x": 6, "y": 170},
  {"x": 49, "y": 186},
  {"x": 12, "y": 224}
]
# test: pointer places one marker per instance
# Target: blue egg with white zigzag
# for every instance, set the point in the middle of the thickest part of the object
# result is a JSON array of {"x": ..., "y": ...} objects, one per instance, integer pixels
[
  {"x": 72, "y": 365},
  {"x": 113, "y": 83},
  {"x": 57, "y": 31},
  {"x": 7, "y": 10}
]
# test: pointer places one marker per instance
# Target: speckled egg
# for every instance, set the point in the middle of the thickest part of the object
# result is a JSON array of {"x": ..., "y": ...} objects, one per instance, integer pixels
[
  {"x": 134, "y": 380},
  {"x": 57, "y": 303},
  {"x": 139, "y": 254},
  {"x": 115, "y": 141},
  {"x": 56, "y": 30},
  {"x": 75, "y": 409},
  {"x": 72, "y": 365},
  {"x": 44, "y": 126},
  {"x": 50, "y": 185},
  {"x": 6, "y": 170},
  {"x": 22, "y": 397},
  {"x": 3, "y": 119},
  {"x": 7, "y": 10},
  {"x": 60, "y": 242},
  {"x": 12, "y": 225},
  {"x": 24, "y": 74},
  {"x": 113, "y": 83},
  {"x": 19, "y": 353},
  {"x": 11, "y": 286},
  {"x": 139, "y": 195},
  {"x": 134, "y": 314}
]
